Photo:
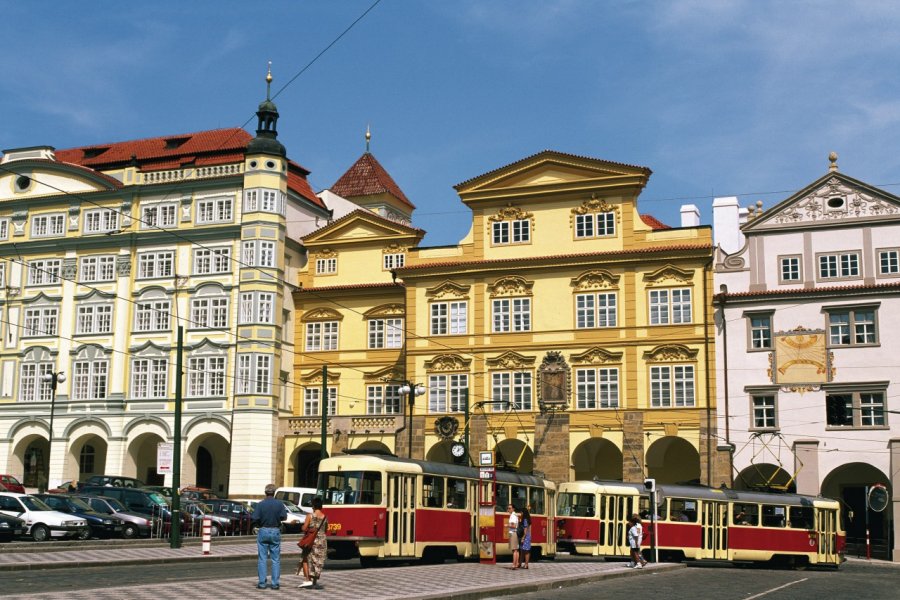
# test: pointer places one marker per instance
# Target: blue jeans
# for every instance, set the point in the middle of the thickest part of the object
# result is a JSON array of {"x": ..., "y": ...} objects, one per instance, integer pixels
[{"x": 268, "y": 545}]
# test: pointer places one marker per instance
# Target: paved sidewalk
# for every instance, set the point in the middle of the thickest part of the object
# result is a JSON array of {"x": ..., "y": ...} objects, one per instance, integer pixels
[{"x": 457, "y": 581}]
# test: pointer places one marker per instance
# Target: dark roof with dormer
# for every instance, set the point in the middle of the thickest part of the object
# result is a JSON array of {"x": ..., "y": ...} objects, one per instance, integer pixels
[{"x": 367, "y": 178}]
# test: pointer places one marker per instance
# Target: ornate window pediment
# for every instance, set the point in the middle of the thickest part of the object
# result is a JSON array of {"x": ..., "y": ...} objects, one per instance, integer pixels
[
  {"x": 322, "y": 314},
  {"x": 671, "y": 353},
  {"x": 325, "y": 253},
  {"x": 594, "y": 205},
  {"x": 669, "y": 275},
  {"x": 314, "y": 377},
  {"x": 510, "y": 213},
  {"x": 448, "y": 290},
  {"x": 511, "y": 360},
  {"x": 447, "y": 362},
  {"x": 384, "y": 311},
  {"x": 596, "y": 356},
  {"x": 595, "y": 280},
  {"x": 512, "y": 285},
  {"x": 390, "y": 374},
  {"x": 394, "y": 248}
]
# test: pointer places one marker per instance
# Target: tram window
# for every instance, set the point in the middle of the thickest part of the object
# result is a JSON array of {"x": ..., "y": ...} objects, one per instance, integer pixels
[
  {"x": 456, "y": 493},
  {"x": 801, "y": 517},
  {"x": 746, "y": 514},
  {"x": 351, "y": 487},
  {"x": 663, "y": 510},
  {"x": 502, "y": 497},
  {"x": 575, "y": 505},
  {"x": 683, "y": 510},
  {"x": 536, "y": 499},
  {"x": 772, "y": 516},
  {"x": 432, "y": 491},
  {"x": 519, "y": 496}
]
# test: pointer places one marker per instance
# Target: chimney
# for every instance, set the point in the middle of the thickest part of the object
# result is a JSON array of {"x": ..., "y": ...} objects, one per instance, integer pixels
[
  {"x": 690, "y": 216},
  {"x": 727, "y": 224}
]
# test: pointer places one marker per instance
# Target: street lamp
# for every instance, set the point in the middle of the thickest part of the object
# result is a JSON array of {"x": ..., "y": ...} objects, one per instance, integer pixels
[
  {"x": 54, "y": 379},
  {"x": 413, "y": 390}
]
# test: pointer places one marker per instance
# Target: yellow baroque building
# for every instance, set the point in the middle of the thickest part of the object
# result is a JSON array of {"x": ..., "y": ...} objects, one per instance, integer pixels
[{"x": 567, "y": 332}]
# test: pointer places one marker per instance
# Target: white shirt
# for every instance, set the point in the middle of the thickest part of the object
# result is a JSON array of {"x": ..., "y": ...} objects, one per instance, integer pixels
[{"x": 513, "y": 521}]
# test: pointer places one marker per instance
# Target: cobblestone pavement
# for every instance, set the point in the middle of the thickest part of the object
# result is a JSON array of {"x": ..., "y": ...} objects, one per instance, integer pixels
[{"x": 459, "y": 581}]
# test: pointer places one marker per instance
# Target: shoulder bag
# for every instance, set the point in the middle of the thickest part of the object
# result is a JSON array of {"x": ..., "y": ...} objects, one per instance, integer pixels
[{"x": 309, "y": 538}]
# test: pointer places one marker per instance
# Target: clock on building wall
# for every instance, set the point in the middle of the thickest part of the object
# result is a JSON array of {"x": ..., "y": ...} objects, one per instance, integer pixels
[{"x": 458, "y": 450}]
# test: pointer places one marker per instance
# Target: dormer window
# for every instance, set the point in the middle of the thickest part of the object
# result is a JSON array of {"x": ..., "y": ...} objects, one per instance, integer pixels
[{"x": 510, "y": 225}]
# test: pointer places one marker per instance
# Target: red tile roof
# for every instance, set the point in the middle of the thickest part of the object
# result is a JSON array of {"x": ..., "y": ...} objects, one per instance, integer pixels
[
  {"x": 354, "y": 286},
  {"x": 366, "y": 178},
  {"x": 833, "y": 289},
  {"x": 297, "y": 182},
  {"x": 500, "y": 261},
  {"x": 653, "y": 222}
]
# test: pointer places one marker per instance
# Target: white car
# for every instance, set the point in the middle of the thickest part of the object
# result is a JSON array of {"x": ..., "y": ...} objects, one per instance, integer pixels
[
  {"x": 296, "y": 516},
  {"x": 41, "y": 522}
]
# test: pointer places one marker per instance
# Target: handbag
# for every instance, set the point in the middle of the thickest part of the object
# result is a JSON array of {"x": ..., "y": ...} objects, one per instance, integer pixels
[{"x": 309, "y": 538}]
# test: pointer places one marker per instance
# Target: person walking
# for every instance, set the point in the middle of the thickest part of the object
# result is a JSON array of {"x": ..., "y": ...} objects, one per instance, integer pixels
[
  {"x": 268, "y": 515},
  {"x": 525, "y": 543},
  {"x": 313, "y": 559},
  {"x": 635, "y": 535},
  {"x": 513, "y": 535}
]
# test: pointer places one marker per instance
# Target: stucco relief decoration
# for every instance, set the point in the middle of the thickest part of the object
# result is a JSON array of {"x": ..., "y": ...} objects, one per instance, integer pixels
[
  {"x": 314, "y": 377},
  {"x": 322, "y": 314},
  {"x": 595, "y": 280},
  {"x": 446, "y": 427},
  {"x": 511, "y": 361},
  {"x": 669, "y": 275},
  {"x": 74, "y": 213},
  {"x": 386, "y": 375},
  {"x": 510, "y": 286},
  {"x": 123, "y": 265},
  {"x": 800, "y": 357},
  {"x": 553, "y": 384},
  {"x": 394, "y": 249},
  {"x": 386, "y": 310},
  {"x": 596, "y": 356},
  {"x": 814, "y": 207},
  {"x": 671, "y": 353},
  {"x": 448, "y": 289},
  {"x": 594, "y": 205},
  {"x": 326, "y": 253},
  {"x": 509, "y": 213},
  {"x": 447, "y": 362}
]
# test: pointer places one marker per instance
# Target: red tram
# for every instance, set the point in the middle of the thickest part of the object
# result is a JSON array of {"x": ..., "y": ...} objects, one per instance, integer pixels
[
  {"x": 700, "y": 523},
  {"x": 384, "y": 507}
]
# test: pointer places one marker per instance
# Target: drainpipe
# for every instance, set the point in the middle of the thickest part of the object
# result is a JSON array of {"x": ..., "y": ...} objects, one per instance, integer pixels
[
  {"x": 721, "y": 302},
  {"x": 707, "y": 273}
]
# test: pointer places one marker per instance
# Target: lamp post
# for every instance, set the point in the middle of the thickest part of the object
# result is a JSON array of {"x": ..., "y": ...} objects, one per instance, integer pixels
[
  {"x": 413, "y": 390},
  {"x": 54, "y": 379}
]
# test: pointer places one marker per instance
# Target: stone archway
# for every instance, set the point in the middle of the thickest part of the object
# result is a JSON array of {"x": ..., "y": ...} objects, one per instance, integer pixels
[
  {"x": 510, "y": 452},
  {"x": 440, "y": 452},
  {"x": 140, "y": 459},
  {"x": 597, "y": 457},
  {"x": 305, "y": 464},
  {"x": 375, "y": 447},
  {"x": 765, "y": 477},
  {"x": 207, "y": 462},
  {"x": 673, "y": 459},
  {"x": 87, "y": 456},
  {"x": 847, "y": 484}
]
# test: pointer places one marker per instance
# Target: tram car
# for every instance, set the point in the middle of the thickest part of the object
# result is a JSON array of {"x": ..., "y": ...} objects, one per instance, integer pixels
[
  {"x": 385, "y": 507},
  {"x": 700, "y": 523}
]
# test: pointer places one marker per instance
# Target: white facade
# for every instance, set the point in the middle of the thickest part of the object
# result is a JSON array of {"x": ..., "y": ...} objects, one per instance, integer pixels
[{"x": 808, "y": 345}]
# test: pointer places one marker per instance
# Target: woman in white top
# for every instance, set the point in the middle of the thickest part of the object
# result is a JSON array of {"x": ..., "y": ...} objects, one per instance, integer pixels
[
  {"x": 635, "y": 535},
  {"x": 513, "y": 537}
]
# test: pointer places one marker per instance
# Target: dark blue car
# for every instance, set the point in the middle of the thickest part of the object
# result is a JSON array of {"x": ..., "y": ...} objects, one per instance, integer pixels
[{"x": 100, "y": 525}]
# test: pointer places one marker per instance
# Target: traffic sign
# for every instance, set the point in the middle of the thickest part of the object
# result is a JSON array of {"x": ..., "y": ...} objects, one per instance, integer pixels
[{"x": 878, "y": 497}]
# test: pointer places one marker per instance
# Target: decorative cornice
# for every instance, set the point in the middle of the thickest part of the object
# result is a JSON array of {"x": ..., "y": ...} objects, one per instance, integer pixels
[
  {"x": 669, "y": 274},
  {"x": 394, "y": 249},
  {"x": 595, "y": 280},
  {"x": 385, "y": 310},
  {"x": 315, "y": 377},
  {"x": 594, "y": 205},
  {"x": 448, "y": 289},
  {"x": 322, "y": 314},
  {"x": 596, "y": 356},
  {"x": 512, "y": 285},
  {"x": 511, "y": 360},
  {"x": 447, "y": 362},
  {"x": 671, "y": 353}
]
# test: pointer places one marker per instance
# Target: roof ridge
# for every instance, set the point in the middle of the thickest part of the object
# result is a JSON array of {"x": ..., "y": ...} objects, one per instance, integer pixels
[{"x": 367, "y": 177}]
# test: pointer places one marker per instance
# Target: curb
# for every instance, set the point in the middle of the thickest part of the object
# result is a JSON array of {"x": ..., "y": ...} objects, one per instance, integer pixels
[{"x": 38, "y": 566}]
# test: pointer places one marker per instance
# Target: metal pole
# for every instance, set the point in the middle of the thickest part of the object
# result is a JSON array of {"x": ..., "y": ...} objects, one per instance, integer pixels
[
  {"x": 46, "y": 483},
  {"x": 866, "y": 508},
  {"x": 412, "y": 401},
  {"x": 323, "y": 452},
  {"x": 466, "y": 417},
  {"x": 175, "y": 538},
  {"x": 653, "y": 543}
]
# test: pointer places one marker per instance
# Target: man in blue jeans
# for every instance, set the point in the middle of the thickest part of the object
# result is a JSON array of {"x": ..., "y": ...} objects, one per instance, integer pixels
[{"x": 268, "y": 515}]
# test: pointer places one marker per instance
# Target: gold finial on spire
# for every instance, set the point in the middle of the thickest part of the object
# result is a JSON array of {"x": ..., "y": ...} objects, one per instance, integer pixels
[
  {"x": 833, "y": 159},
  {"x": 269, "y": 81},
  {"x": 368, "y": 138}
]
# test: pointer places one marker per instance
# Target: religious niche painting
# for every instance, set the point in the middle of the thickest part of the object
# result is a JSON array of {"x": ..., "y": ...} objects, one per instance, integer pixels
[
  {"x": 554, "y": 386},
  {"x": 801, "y": 357}
]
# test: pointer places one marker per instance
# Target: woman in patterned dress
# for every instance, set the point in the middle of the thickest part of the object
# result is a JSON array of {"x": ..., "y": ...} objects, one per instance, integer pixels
[
  {"x": 314, "y": 558},
  {"x": 525, "y": 545}
]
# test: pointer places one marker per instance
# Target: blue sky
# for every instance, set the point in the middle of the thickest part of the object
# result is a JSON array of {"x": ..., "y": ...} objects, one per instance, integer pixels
[{"x": 717, "y": 98}]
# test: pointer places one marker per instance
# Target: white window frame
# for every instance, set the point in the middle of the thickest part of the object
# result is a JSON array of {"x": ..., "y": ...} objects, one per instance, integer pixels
[
  {"x": 889, "y": 262},
  {"x": 510, "y": 315},
  {"x": 209, "y": 261},
  {"x": 219, "y": 209},
  {"x": 149, "y": 377},
  {"x": 326, "y": 266},
  {"x": 156, "y": 264},
  {"x": 257, "y": 308},
  {"x": 322, "y": 336},
  {"x": 857, "y": 331},
  {"x": 258, "y": 253},
  {"x": 764, "y": 412},
  {"x": 209, "y": 312},
  {"x": 32, "y": 387},
  {"x": 673, "y": 386},
  {"x": 839, "y": 265},
  {"x": 49, "y": 225},
  {"x": 449, "y": 318},
  {"x": 263, "y": 200},
  {"x": 100, "y": 220},
  {"x": 596, "y": 310},
  {"x": 591, "y": 225},
  {"x": 97, "y": 268},
  {"x": 4, "y": 229},
  {"x": 254, "y": 374},
  {"x": 790, "y": 269},
  {"x": 597, "y": 388},
  {"x": 93, "y": 319},
  {"x": 517, "y": 231},
  {"x": 41, "y": 321},
  {"x": 153, "y": 315},
  {"x": 159, "y": 216},
  {"x": 206, "y": 376},
  {"x": 311, "y": 405},
  {"x": 385, "y": 333},
  {"x": 383, "y": 400},
  {"x": 394, "y": 260},
  {"x": 669, "y": 307},
  {"x": 445, "y": 393},
  {"x": 44, "y": 272},
  {"x": 760, "y": 330},
  {"x": 90, "y": 378},
  {"x": 512, "y": 390}
]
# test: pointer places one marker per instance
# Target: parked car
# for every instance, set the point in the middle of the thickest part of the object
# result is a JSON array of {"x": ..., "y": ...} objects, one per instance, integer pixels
[
  {"x": 221, "y": 524},
  {"x": 292, "y": 523},
  {"x": 234, "y": 509},
  {"x": 113, "y": 481},
  {"x": 100, "y": 525},
  {"x": 12, "y": 484},
  {"x": 133, "y": 524},
  {"x": 202, "y": 494},
  {"x": 41, "y": 522},
  {"x": 164, "y": 491},
  {"x": 301, "y": 496},
  {"x": 11, "y": 527}
]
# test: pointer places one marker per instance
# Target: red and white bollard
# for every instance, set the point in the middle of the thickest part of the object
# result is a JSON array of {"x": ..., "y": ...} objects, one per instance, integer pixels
[{"x": 207, "y": 534}]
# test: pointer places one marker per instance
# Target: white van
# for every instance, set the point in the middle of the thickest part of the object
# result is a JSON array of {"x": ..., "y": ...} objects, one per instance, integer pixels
[{"x": 301, "y": 496}]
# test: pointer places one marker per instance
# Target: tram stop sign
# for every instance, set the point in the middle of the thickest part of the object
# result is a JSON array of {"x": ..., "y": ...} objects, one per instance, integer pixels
[{"x": 878, "y": 497}]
